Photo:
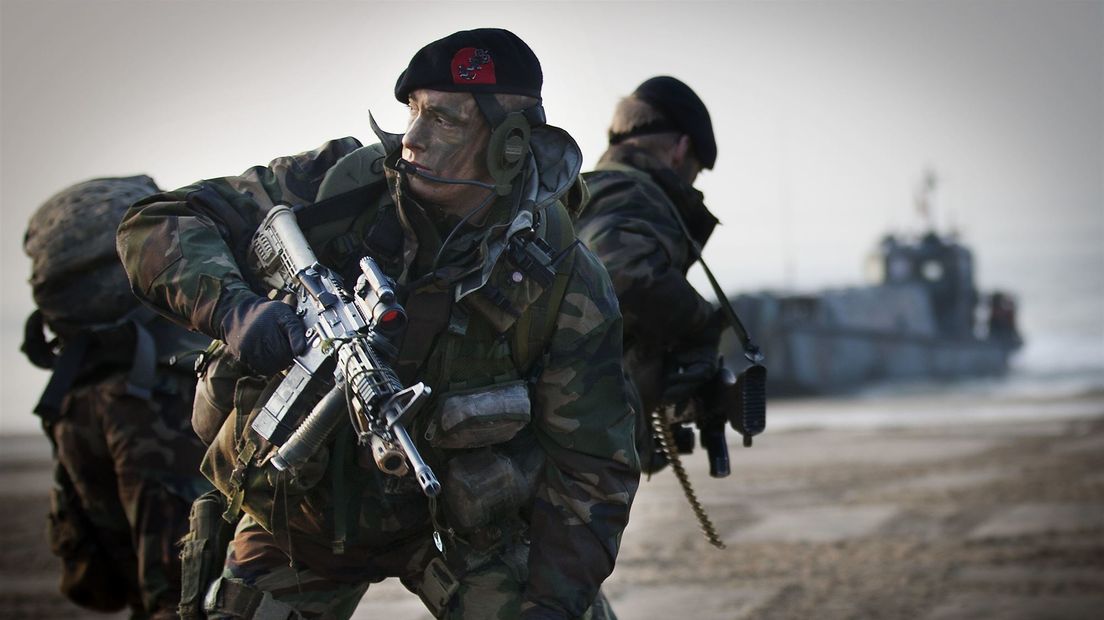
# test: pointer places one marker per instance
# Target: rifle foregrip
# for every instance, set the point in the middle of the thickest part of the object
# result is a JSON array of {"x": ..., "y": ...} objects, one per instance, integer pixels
[{"x": 313, "y": 432}]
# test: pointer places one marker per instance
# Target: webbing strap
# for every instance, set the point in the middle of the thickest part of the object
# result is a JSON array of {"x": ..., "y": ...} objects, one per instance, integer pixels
[
  {"x": 65, "y": 372},
  {"x": 247, "y": 448},
  {"x": 534, "y": 329},
  {"x": 35, "y": 347},
  {"x": 346, "y": 204},
  {"x": 143, "y": 371}
]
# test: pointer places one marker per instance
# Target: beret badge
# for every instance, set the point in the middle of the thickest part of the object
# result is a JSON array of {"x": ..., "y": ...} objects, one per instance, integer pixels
[{"x": 472, "y": 65}]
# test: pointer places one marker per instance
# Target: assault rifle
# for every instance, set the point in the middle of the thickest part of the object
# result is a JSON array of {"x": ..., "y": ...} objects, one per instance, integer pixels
[
  {"x": 739, "y": 400},
  {"x": 350, "y": 339}
]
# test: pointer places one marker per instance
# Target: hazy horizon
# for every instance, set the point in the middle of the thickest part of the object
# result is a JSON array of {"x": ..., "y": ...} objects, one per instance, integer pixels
[{"x": 826, "y": 116}]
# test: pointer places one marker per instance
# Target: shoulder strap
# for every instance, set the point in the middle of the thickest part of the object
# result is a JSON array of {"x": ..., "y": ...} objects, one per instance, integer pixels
[
  {"x": 344, "y": 205},
  {"x": 751, "y": 350},
  {"x": 143, "y": 370},
  {"x": 67, "y": 367},
  {"x": 355, "y": 184},
  {"x": 535, "y": 326}
]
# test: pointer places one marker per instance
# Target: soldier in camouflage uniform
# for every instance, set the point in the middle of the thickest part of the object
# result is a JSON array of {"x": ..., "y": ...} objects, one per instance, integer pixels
[
  {"x": 453, "y": 210},
  {"x": 116, "y": 408},
  {"x": 660, "y": 138}
]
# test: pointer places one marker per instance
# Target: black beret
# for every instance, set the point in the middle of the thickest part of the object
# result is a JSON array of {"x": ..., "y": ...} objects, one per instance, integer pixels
[
  {"x": 486, "y": 60},
  {"x": 682, "y": 108}
]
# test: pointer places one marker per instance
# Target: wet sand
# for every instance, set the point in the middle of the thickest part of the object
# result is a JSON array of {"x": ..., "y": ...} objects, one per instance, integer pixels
[{"x": 1002, "y": 519}]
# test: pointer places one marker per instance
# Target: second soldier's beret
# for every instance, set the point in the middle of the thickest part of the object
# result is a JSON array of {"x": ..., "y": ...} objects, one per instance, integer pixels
[
  {"x": 486, "y": 60},
  {"x": 683, "y": 111}
]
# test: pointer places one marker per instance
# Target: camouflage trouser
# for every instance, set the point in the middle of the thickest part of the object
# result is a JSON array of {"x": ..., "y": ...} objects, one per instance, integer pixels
[
  {"x": 491, "y": 590},
  {"x": 134, "y": 465}
]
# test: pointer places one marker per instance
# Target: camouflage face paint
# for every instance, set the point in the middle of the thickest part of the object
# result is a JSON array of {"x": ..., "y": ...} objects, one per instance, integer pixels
[{"x": 447, "y": 137}]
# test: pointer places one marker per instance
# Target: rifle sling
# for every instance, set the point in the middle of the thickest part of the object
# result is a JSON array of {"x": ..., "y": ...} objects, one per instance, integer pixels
[
  {"x": 347, "y": 204},
  {"x": 751, "y": 351}
]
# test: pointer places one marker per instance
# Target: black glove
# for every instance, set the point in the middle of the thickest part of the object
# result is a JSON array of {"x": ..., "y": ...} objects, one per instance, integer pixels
[
  {"x": 687, "y": 369},
  {"x": 265, "y": 335},
  {"x": 693, "y": 361}
]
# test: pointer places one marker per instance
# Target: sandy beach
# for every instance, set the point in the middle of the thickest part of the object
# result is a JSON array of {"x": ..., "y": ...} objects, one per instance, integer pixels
[{"x": 983, "y": 517}]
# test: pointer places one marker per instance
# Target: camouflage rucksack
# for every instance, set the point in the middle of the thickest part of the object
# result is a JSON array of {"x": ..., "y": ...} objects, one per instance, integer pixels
[
  {"x": 76, "y": 276},
  {"x": 83, "y": 295}
]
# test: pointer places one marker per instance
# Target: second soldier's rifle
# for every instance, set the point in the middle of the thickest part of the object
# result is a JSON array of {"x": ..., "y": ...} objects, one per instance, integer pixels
[
  {"x": 740, "y": 400},
  {"x": 350, "y": 339}
]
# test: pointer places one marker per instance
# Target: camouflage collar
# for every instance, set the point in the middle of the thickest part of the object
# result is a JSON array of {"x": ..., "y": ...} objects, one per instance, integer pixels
[
  {"x": 486, "y": 242},
  {"x": 689, "y": 201}
]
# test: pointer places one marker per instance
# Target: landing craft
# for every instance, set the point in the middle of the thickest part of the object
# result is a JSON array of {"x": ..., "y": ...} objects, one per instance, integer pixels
[{"x": 923, "y": 318}]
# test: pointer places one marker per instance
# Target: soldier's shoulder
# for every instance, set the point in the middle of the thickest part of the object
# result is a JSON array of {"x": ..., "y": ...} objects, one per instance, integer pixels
[
  {"x": 357, "y": 168},
  {"x": 622, "y": 190},
  {"x": 303, "y": 172},
  {"x": 590, "y": 279},
  {"x": 589, "y": 306}
]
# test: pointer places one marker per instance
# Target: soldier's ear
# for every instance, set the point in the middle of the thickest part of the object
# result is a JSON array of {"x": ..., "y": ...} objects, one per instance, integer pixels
[
  {"x": 684, "y": 159},
  {"x": 680, "y": 151}
]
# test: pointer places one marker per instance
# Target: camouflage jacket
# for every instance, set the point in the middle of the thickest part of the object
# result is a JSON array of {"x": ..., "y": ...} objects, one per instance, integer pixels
[
  {"x": 630, "y": 223},
  {"x": 186, "y": 249}
]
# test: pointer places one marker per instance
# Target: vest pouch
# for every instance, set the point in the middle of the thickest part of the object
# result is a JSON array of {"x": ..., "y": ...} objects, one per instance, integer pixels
[
  {"x": 220, "y": 379},
  {"x": 203, "y": 552},
  {"x": 482, "y": 487},
  {"x": 236, "y": 461},
  {"x": 482, "y": 417}
]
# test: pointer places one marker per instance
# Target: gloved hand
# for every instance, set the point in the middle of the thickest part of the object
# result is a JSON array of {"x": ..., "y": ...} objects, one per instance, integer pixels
[
  {"x": 687, "y": 369},
  {"x": 265, "y": 335},
  {"x": 693, "y": 361}
]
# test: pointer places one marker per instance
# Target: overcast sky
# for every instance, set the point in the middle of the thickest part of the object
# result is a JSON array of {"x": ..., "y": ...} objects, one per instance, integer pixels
[{"x": 826, "y": 115}]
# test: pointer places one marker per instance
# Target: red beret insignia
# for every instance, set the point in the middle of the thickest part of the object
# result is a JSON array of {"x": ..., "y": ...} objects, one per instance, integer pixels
[{"x": 472, "y": 65}]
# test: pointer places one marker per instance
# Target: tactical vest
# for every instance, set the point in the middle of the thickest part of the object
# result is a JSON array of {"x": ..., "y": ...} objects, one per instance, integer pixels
[{"x": 483, "y": 351}]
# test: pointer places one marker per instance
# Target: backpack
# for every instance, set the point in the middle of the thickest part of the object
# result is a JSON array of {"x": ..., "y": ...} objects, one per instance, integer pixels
[
  {"x": 77, "y": 279},
  {"x": 82, "y": 294}
]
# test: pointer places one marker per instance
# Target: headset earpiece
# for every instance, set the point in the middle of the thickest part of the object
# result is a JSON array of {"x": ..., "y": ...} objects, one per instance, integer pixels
[{"x": 506, "y": 150}]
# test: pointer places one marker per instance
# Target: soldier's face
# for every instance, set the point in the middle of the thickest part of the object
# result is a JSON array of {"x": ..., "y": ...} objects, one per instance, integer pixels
[{"x": 446, "y": 136}]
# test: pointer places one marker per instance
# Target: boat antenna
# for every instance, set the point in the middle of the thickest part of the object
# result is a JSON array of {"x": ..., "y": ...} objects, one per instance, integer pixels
[{"x": 923, "y": 197}]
